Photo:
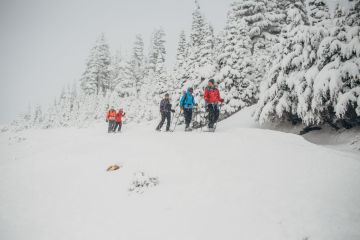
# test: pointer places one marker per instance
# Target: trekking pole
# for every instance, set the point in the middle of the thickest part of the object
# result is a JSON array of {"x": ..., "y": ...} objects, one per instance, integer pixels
[
  {"x": 172, "y": 119},
  {"x": 177, "y": 117},
  {"x": 177, "y": 121},
  {"x": 201, "y": 124},
  {"x": 199, "y": 118},
  {"x": 194, "y": 122}
]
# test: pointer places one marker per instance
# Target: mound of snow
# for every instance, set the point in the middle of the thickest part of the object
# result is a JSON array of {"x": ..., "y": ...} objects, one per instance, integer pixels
[
  {"x": 141, "y": 182},
  {"x": 343, "y": 139}
]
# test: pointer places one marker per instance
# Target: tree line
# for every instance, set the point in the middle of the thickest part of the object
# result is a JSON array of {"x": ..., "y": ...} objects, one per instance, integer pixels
[{"x": 294, "y": 60}]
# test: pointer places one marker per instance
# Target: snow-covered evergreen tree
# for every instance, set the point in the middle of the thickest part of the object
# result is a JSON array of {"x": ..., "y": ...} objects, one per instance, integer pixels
[
  {"x": 37, "y": 117},
  {"x": 97, "y": 76},
  {"x": 235, "y": 70},
  {"x": 157, "y": 49},
  {"x": 264, "y": 21},
  {"x": 339, "y": 15},
  {"x": 318, "y": 11},
  {"x": 136, "y": 66},
  {"x": 125, "y": 93},
  {"x": 195, "y": 42},
  {"x": 353, "y": 18},
  {"x": 65, "y": 107},
  {"x": 158, "y": 80},
  {"x": 337, "y": 86},
  {"x": 75, "y": 106},
  {"x": 161, "y": 80},
  {"x": 51, "y": 119},
  {"x": 200, "y": 62},
  {"x": 287, "y": 91},
  {"x": 207, "y": 48},
  {"x": 316, "y": 77},
  {"x": 295, "y": 14},
  {"x": 117, "y": 69},
  {"x": 181, "y": 56}
]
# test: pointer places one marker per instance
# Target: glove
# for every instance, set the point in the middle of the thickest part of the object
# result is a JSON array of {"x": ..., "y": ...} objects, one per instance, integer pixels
[
  {"x": 107, "y": 120},
  {"x": 196, "y": 104},
  {"x": 221, "y": 100},
  {"x": 172, "y": 110}
]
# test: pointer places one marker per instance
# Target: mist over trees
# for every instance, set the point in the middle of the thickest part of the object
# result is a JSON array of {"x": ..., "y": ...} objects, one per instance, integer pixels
[{"x": 297, "y": 61}]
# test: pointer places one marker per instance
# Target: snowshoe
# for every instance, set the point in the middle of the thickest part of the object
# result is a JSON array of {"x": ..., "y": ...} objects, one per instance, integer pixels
[
  {"x": 188, "y": 129},
  {"x": 196, "y": 125},
  {"x": 210, "y": 130}
]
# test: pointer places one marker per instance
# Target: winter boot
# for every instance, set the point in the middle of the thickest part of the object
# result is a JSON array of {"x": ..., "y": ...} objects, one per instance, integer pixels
[
  {"x": 211, "y": 129},
  {"x": 188, "y": 129}
]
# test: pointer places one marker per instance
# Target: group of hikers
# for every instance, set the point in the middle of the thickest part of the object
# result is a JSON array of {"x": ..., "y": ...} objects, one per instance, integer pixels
[
  {"x": 187, "y": 104},
  {"x": 115, "y": 120}
]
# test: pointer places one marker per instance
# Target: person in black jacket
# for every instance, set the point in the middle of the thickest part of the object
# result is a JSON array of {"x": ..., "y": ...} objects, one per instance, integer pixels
[{"x": 165, "y": 110}]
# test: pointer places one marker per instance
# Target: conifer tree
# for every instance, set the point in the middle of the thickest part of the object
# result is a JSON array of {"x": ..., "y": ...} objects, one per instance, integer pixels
[
  {"x": 200, "y": 63},
  {"x": 137, "y": 63},
  {"x": 337, "y": 86},
  {"x": 287, "y": 92},
  {"x": 318, "y": 11},
  {"x": 157, "y": 49},
  {"x": 181, "y": 56},
  {"x": 235, "y": 69},
  {"x": 353, "y": 18},
  {"x": 96, "y": 77}
]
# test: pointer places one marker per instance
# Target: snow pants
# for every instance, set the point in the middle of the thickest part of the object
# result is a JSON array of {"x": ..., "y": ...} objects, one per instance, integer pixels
[
  {"x": 117, "y": 126},
  {"x": 111, "y": 126},
  {"x": 213, "y": 114},
  {"x": 188, "y": 116},
  {"x": 165, "y": 116}
]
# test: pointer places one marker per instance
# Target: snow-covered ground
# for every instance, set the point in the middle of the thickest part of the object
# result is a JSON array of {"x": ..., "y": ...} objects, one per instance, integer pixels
[{"x": 241, "y": 182}]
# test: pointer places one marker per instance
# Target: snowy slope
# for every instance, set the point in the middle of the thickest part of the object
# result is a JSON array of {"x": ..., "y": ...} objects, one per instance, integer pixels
[{"x": 239, "y": 183}]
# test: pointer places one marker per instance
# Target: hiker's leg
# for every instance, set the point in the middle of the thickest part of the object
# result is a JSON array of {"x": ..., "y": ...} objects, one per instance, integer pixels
[
  {"x": 211, "y": 115},
  {"x": 111, "y": 126},
  {"x": 216, "y": 113},
  {"x": 168, "y": 121},
  {"x": 163, "y": 117}
]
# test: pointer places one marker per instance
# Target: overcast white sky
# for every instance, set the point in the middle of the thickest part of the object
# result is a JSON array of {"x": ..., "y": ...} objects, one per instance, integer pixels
[{"x": 44, "y": 43}]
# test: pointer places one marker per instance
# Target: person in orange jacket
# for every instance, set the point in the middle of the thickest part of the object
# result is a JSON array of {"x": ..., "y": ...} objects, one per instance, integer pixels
[
  {"x": 118, "y": 120},
  {"x": 212, "y": 99},
  {"x": 110, "y": 118}
]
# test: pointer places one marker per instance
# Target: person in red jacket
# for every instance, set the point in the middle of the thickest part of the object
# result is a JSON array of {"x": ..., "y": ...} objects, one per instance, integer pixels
[
  {"x": 110, "y": 118},
  {"x": 212, "y": 99},
  {"x": 118, "y": 120}
]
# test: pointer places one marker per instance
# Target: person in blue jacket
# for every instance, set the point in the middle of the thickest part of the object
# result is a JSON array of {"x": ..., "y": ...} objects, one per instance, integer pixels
[{"x": 187, "y": 103}]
